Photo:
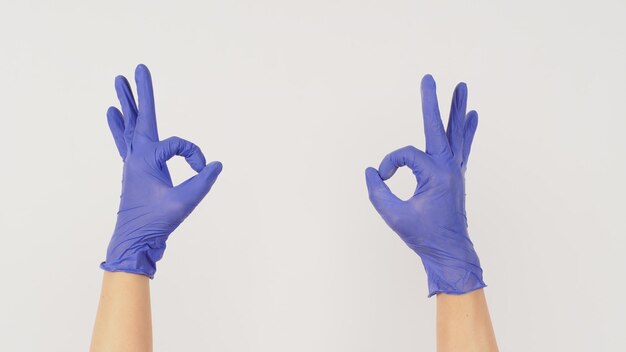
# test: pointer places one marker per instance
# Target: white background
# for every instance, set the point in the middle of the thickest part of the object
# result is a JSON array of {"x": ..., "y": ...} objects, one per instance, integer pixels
[{"x": 296, "y": 99}]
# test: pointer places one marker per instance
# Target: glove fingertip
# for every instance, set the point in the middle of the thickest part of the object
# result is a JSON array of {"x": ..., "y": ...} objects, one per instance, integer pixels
[
  {"x": 197, "y": 162},
  {"x": 142, "y": 69},
  {"x": 373, "y": 179},
  {"x": 386, "y": 169},
  {"x": 428, "y": 81},
  {"x": 461, "y": 89},
  {"x": 218, "y": 166},
  {"x": 371, "y": 172},
  {"x": 115, "y": 117},
  {"x": 119, "y": 79},
  {"x": 472, "y": 119},
  {"x": 212, "y": 170},
  {"x": 197, "y": 167}
]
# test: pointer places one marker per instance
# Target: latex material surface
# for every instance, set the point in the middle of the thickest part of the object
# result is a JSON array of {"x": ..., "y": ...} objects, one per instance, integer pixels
[
  {"x": 433, "y": 221},
  {"x": 150, "y": 206}
]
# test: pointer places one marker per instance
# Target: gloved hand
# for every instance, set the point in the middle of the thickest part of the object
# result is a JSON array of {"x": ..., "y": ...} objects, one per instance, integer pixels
[
  {"x": 150, "y": 206},
  {"x": 433, "y": 221}
]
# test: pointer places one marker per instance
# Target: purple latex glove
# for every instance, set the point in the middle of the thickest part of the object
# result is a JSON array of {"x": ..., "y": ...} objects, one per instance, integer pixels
[
  {"x": 150, "y": 206},
  {"x": 433, "y": 221}
]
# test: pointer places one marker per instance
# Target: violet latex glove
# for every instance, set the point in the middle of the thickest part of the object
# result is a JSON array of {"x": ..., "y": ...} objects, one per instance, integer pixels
[
  {"x": 433, "y": 221},
  {"x": 150, "y": 206}
]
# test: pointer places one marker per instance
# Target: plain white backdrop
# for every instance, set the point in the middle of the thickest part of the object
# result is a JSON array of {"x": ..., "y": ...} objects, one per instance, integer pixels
[{"x": 296, "y": 98}]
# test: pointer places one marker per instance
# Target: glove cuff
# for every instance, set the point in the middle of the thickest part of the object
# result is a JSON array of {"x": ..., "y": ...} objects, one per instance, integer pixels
[
  {"x": 468, "y": 282},
  {"x": 455, "y": 280},
  {"x": 140, "y": 261},
  {"x": 132, "y": 266}
]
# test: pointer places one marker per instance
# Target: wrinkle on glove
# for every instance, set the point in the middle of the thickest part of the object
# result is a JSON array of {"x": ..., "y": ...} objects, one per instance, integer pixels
[
  {"x": 433, "y": 221},
  {"x": 151, "y": 208}
]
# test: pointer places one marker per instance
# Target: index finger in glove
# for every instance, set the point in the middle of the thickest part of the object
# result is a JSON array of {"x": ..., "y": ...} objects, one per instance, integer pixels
[
  {"x": 177, "y": 146},
  {"x": 415, "y": 159}
]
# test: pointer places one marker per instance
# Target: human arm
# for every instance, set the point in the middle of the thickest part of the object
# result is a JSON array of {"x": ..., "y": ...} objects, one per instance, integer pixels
[
  {"x": 463, "y": 323},
  {"x": 123, "y": 321},
  {"x": 433, "y": 221},
  {"x": 151, "y": 208}
]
